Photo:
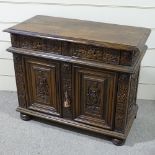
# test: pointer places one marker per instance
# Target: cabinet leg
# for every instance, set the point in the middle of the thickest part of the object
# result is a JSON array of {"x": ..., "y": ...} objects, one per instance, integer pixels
[
  {"x": 118, "y": 142},
  {"x": 25, "y": 117}
]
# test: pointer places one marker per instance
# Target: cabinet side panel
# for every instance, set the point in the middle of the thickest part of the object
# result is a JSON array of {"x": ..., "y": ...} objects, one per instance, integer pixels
[
  {"x": 20, "y": 80},
  {"x": 121, "y": 102},
  {"x": 133, "y": 94}
]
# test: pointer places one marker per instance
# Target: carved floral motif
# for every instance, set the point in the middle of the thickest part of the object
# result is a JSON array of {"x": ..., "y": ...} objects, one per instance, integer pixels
[
  {"x": 42, "y": 86},
  {"x": 93, "y": 102}
]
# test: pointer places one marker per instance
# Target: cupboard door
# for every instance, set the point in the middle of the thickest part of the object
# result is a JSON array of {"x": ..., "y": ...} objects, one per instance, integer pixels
[
  {"x": 94, "y": 92},
  {"x": 43, "y": 86}
]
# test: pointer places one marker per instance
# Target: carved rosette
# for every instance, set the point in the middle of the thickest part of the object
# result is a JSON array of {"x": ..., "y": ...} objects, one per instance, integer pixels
[
  {"x": 20, "y": 80},
  {"x": 122, "y": 99},
  {"x": 66, "y": 90}
]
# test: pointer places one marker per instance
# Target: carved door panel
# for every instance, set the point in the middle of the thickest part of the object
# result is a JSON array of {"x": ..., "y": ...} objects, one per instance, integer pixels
[
  {"x": 94, "y": 96},
  {"x": 43, "y": 86}
]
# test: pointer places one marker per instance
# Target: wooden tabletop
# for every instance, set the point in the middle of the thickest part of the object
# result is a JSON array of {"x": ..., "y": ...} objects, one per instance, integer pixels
[{"x": 97, "y": 33}]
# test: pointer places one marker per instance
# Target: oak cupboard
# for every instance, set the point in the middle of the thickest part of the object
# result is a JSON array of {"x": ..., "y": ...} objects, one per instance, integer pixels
[{"x": 79, "y": 73}]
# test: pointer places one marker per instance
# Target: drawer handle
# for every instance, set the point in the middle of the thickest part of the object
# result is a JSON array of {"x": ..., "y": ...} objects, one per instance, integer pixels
[{"x": 66, "y": 101}]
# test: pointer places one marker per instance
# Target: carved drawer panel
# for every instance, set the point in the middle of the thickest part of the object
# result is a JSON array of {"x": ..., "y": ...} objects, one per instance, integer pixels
[
  {"x": 37, "y": 44},
  {"x": 75, "y": 50},
  {"x": 43, "y": 88},
  {"x": 89, "y": 52},
  {"x": 94, "y": 99}
]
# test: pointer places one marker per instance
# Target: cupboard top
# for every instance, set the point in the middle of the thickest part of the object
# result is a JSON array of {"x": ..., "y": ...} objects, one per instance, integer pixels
[{"x": 101, "y": 34}]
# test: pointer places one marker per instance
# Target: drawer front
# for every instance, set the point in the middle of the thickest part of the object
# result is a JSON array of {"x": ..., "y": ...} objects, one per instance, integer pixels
[
  {"x": 75, "y": 50},
  {"x": 94, "y": 93},
  {"x": 43, "y": 86}
]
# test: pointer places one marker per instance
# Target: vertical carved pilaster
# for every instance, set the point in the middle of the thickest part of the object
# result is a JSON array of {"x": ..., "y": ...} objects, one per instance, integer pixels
[
  {"x": 122, "y": 99},
  {"x": 133, "y": 93},
  {"x": 20, "y": 80},
  {"x": 66, "y": 90}
]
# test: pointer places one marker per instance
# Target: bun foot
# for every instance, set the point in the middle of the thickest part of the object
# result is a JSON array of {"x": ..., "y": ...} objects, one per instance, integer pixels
[
  {"x": 118, "y": 142},
  {"x": 25, "y": 117}
]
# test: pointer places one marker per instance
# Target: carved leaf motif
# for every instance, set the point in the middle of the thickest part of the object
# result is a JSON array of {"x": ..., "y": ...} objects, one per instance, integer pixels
[
  {"x": 42, "y": 86},
  {"x": 93, "y": 103}
]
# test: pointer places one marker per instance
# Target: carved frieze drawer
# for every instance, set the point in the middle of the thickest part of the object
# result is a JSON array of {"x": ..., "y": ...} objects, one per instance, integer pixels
[{"x": 76, "y": 50}]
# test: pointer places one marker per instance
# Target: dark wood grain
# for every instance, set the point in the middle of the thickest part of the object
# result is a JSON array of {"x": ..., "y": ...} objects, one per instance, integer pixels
[{"x": 78, "y": 73}]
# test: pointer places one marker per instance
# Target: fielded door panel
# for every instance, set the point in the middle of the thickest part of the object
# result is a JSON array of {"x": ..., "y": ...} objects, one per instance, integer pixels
[
  {"x": 43, "y": 86},
  {"x": 94, "y": 92}
]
